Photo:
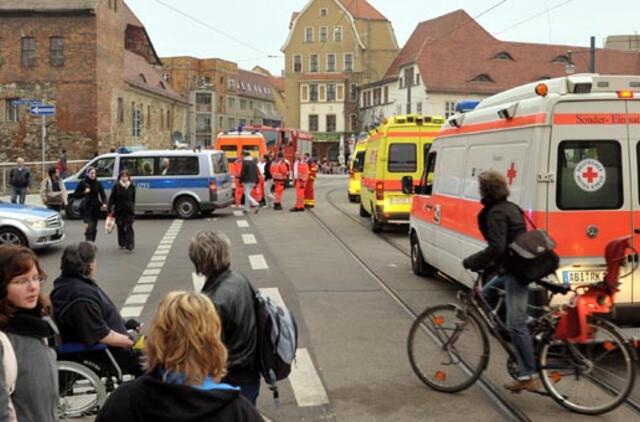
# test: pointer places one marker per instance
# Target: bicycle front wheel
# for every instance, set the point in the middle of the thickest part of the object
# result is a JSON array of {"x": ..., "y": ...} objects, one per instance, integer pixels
[
  {"x": 448, "y": 348},
  {"x": 592, "y": 378}
]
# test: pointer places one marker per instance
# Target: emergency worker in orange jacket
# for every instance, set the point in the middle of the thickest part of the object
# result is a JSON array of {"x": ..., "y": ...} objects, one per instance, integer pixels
[
  {"x": 279, "y": 173},
  {"x": 236, "y": 168},
  {"x": 309, "y": 194},
  {"x": 300, "y": 177}
]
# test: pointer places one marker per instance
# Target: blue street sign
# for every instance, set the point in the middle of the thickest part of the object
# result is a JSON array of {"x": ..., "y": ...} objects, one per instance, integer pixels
[
  {"x": 43, "y": 110},
  {"x": 24, "y": 101}
]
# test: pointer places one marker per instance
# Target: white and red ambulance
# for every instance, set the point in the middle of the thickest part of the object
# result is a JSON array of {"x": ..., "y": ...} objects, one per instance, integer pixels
[{"x": 570, "y": 149}]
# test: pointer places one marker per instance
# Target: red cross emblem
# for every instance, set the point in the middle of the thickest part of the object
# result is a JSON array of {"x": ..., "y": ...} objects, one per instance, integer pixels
[
  {"x": 512, "y": 173},
  {"x": 590, "y": 175}
]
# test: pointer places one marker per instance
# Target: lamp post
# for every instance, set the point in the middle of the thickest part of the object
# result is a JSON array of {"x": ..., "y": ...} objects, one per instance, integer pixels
[{"x": 569, "y": 68}]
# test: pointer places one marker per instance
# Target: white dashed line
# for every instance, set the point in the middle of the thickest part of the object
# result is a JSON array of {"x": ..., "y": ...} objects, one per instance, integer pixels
[
  {"x": 131, "y": 311},
  {"x": 242, "y": 223},
  {"x": 305, "y": 382},
  {"x": 161, "y": 252},
  {"x": 273, "y": 294},
  {"x": 155, "y": 265},
  {"x": 147, "y": 279},
  {"x": 238, "y": 213},
  {"x": 164, "y": 242},
  {"x": 161, "y": 246},
  {"x": 198, "y": 282},
  {"x": 152, "y": 271},
  {"x": 258, "y": 262},
  {"x": 158, "y": 258},
  {"x": 143, "y": 288},
  {"x": 249, "y": 239},
  {"x": 137, "y": 299}
]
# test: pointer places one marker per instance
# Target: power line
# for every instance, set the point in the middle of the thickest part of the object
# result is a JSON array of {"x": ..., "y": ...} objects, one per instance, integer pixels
[{"x": 532, "y": 17}]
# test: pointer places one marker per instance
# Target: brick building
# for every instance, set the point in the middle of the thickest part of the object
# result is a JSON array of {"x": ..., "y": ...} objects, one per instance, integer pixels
[{"x": 94, "y": 60}]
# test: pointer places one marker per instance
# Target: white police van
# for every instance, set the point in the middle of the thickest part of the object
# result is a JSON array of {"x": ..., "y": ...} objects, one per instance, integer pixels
[{"x": 185, "y": 182}]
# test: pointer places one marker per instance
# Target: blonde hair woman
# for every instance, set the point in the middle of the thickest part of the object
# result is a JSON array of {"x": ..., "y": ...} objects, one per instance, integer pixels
[{"x": 186, "y": 361}]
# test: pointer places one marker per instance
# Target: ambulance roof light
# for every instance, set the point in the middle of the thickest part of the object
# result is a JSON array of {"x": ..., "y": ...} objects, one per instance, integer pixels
[
  {"x": 542, "y": 89},
  {"x": 580, "y": 84},
  {"x": 464, "y": 106},
  {"x": 625, "y": 94}
]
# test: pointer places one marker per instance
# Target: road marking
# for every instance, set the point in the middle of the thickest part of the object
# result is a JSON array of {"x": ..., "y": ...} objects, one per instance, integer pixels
[
  {"x": 249, "y": 239},
  {"x": 148, "y": 279},
  {"x": 153, "y": 271},
  {"x": 161, "y": 246},
  {"x": 137, "y": 299},
  {"x": 155, "y": 265},
  {"x": 198, "y": 282},
  {"x": 242, "y": 223},
  {"x": 238, "y": 213},
  {"x": 164, "y": 242},
  {"x": 169, "y": 238},
  {"x": 305, "y": 382},
  {"x": 143, "y": 288},
  {"x": 161, "y": 252},
  {"x": 274, "y": 294},
  {"x": 158, "y": 257},
  {"x": 131, "y": 311},
  {"x": 258, "y": 262}
]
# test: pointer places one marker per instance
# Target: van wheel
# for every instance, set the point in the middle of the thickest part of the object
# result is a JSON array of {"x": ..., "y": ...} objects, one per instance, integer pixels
[
  {"x": 376, "y": 225},
  {"x": 418, "y": 264},
  {"x": 186, "y": 207},
  {"x": 363, "y": 212}
]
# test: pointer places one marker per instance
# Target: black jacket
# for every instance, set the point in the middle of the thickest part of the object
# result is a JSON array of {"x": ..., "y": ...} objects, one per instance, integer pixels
[
  {"x": 20, "y": 178},
  {"x": 96, "y": 196},
  {"x": 148, "y": 399},
  {"x": 122, "y": 202},
  {"x": 234, "y": 299},
  {"x": 267, "y": 170},
  {"x": 249, "y": 173},
  {"x": 500, "y": 223}
]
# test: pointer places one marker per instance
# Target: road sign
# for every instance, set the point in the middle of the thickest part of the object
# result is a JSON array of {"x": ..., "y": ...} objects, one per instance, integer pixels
[
  {"x": 24, "y": 101},
  {"x": 43, "y": 110}
]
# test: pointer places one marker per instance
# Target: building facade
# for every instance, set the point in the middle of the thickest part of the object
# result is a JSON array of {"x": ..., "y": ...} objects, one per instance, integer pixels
[
  {"x": 256, "y": 100},
  {"x": 332, "y": 48},
  {"x": 94, "y": 61}
]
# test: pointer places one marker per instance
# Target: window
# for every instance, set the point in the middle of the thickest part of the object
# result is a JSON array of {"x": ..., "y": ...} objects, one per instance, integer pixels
[
  {"x": 322, "y": 92},
  {"x": 28, "y": 51},
  {"x": 589, "y": 175},
  {"x": 313, "y": 122},
  {"x": 162, "y": 119},
  {"x": 203, "y": 102},
  {"x": 561, "y": 59},
  {"x": 243, "y": 104},
  {"x": 419, "y": 107},
  {"x": 219, "y": 163},
  {"x": 308, "y": 34},
  {"x": 358, "y": 162},
  {"x": 141, "y": 166},
  {"x": 386, "y": 94},
  {"x": 331, "y": 62},
  {"x": 313, "y": 92},
  {"x": 231, "y": 103},
  {"x": 340, "y": 93},
  {"x": 231, "y": 84},
  {"x": 348, "y": 62},
  {"x": 353, "y": 120},
  {"x": 115, "y": 5},
  {"x": 483, "y": 77},
  {"x": 427, "y": 176},
  {"x": 417, "y": 79},
  {"x": 120, "y": 110},
  {"x": 449, "y": 109},
  {"x": 331, "y": 92},
  {"x": 305, "y": 93},
  {"x": 136, "y": 123},
  {"x": 323, "y": 34},
  {"x": 402, "y": 158},
  {"x": 337, "y": 34},
  {"x": 353, "y": 92},
  {"x": 178, "y": 166},
  {"x": 313, "y": 63},
  {"x": 148, "y": 117},
  {"x": 297, "y": 63},
  {"x": 56, "y": 49},
  {"x": 221, "y": 80},
  {"x": 377, "y": 96},
  {"x": 401, "y": 83},
  {"x": 104, "y": 167},
  {"x": 13, "y": 114},
  {"x": 231, "y": 123},
  {"x": 168, "y": 119},
  {"x": 503, "y": 56},
  {"x": 203, "y": 123},
  {"x": 331, "y": 122},
  {"x": 324, "y": 12}
]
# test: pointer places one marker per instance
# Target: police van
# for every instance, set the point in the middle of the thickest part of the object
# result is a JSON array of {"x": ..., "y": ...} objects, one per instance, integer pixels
[
  {"x": 570, "y": 151},
  {"x": 184, "y": 182},
  {"x": 397, "y": 148}
]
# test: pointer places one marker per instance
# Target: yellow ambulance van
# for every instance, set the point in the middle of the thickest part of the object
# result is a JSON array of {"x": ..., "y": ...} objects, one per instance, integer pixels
[
  {"x": 395, "y": 149},
  {"x": 355, "y": 170}
]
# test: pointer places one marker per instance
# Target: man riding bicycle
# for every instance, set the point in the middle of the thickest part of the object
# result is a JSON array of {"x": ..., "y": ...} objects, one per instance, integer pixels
[{"x": 500, "y": 222}]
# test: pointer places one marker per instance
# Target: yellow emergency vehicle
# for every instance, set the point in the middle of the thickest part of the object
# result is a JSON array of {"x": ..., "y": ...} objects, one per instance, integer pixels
[
  {"x": 395, "y": 149},
  {"x": 355, "y": 170}
]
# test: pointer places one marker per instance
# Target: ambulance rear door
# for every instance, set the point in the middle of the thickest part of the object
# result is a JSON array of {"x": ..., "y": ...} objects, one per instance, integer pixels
[
  {"x": 589, "y": 192},
  {"x": 633, "y": 124}
]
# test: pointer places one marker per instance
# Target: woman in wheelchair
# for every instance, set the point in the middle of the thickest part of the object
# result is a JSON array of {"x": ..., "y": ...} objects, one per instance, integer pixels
[
  {"x": 24, "y": 317},
  {"x": 186, "y": 362},
  {"x": 84, "y": 312}
]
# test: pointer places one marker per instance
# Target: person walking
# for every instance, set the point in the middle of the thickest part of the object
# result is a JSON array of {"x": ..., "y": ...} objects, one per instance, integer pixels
[
  {"x": 249, "y": 177},
  {"x": 52, "y": 190},
  {"x": 62, "y": 164},
  {"x": 233, "y": 296},
  {"x": 235, "y": 168},
  {"x": 24, "y": 317},
  {"x": 91, "y": 193},
  {"x": 19, "y": 179},
  {"x": 500, "y": 222},
  {"x": 309, "y": 193},
  {"x": 300, "y": 176},
  {"x": 268, "y": 180},
  {"x": 279, "y": 173},
  {"x": 122, "y": 205},
  {"x": 262, "y": 164},
  {"x": 186, "y": 363}
]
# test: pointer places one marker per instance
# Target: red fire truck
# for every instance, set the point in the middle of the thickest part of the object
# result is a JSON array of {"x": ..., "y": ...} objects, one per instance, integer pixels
[{"x": 289, "y": 141}]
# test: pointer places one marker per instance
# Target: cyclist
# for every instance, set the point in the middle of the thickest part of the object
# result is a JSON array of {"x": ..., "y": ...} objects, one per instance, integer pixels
[{"x": 500, "y": 222}]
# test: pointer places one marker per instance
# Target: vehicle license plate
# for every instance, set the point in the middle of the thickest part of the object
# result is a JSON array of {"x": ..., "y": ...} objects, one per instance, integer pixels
[
  {"x": 583, "y": 276},
  {"x": 400, "y": 200}
]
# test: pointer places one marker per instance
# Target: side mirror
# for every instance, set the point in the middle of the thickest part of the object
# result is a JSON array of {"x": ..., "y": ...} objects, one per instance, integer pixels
[{"x": 407, "y": 185}]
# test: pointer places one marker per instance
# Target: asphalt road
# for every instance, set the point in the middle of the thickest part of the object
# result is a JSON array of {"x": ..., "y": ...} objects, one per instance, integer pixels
[{"x": 352, "y": 363}]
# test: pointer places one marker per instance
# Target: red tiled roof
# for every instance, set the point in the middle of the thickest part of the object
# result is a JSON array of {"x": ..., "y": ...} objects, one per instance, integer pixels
[
  {"x": 362, "y": 9},
  {"x": 452, "y": 50},
  {"x": 277, "y": 82},
  {"x": 253, "y": 84},
  {"x": 135, "y": 65}
]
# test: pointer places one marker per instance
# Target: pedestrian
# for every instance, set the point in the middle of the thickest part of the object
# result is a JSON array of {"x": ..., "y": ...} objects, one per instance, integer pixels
[
  {"x": 500, "y": 222},
  {"x": 84, "y": 311},
  {"x": 62, "y": 164},
  {"x": 186, "y": 361},
  {"x": 19, "y": 179},
  {"x": 122, "y": 206},
  {"x": 91, "y": 193},
  {"x": 279, "y": 173},
  {"x": 249, "y": 177},
  {"x": 24, "y": 317},
  {"x": 234, "y": 298},
  {"x": 262, "y": 163},
  {"x": 52, "y": 190},
  {"x": 268, "y": 180},
  {"x": 235, "y": 168},
  {"x": 300, "y": 176},
  {"x": 309, "y": 193}
]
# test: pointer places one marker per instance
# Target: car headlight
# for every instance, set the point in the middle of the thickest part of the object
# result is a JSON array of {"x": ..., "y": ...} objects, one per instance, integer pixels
[{"x": 36, "y": 223}]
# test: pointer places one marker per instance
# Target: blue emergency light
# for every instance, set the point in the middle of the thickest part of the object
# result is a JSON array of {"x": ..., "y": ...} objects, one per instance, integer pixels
[{"x": 465, "y": 106}]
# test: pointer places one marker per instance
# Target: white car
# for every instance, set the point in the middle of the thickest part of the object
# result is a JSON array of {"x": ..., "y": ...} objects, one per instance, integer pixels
[{"x": 34, "y": 227}]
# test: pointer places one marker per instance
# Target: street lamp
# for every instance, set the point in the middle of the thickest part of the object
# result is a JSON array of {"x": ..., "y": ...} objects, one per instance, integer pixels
[{"x": 569, "y": 68}]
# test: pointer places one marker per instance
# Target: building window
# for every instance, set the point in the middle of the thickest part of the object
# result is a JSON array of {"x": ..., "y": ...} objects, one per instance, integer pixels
[
  {"x": 386, "y": 94},
  {"x": 231, "y": 103},
  {"x": 231, "y": 123},
  {"x": 348, "y": 62},
  {"x": 313, "y": 92},
  {"x": 308, "y": 34},
  {"x": 120, "y": 110},
  {"x": 323, "y": 34},
  {"x": 168, "y": 119},
  {"x": 231, "y": 84},
  {"x": 483, "y": 77},
  {"x": 340, "y": 93},
  {"x": 28, "y": 51},
  {"x": 331, "y": 92},
  {"x": 297, "y": 63},
  {"x": 449, "y": 109},
  {"x": 331, "y": 122},
  {"x": 313, "y": 63},
  {"x": 417, "y": 79},
  {"x": 337, "y": 34},
  {"x": 136, "y": 123},
  {"x": 561, "y": 59},
  {"x": 243, "y": 104},
  {"x": 221, "y": 80},
  {"x": 115, "y": 5},
  {"x": 305, "y": 93},
  {"x": 221, "y": 123},
  {"x": 353, "y": 92},
  {"x": 161, "y": 120},
  {"x": 313, "y": 123},
  {"x": 419, "y": 107},
  {"x": 13, "y": 114},
  {"x": 331, "y": 62},
  {"x": 377, "y": 96},
  {"x": 503, "y": 56},
  {"x": 401, "y": 83},
  {"x": 353, "y": 119},
  {"x": 203, "y": 102},
  {"x": 56, "y": 45},
  {"x": 148, "y": 117},
  {"x": 324, "y": 12}
]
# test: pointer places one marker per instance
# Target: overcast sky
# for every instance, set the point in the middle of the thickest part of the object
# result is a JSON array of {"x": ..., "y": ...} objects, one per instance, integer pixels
[{"x": 260, "y": 27}]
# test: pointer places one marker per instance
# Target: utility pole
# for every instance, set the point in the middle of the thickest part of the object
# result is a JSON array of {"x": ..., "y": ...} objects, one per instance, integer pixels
[{"x": 592, "y": 54}]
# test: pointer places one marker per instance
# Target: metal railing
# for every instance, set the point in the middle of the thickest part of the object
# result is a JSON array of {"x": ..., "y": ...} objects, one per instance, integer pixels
[{"x": 35, "y": 167}]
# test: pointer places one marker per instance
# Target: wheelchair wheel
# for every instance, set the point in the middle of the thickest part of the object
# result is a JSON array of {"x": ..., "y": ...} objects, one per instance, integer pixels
[{"x": 81, "y": 391}]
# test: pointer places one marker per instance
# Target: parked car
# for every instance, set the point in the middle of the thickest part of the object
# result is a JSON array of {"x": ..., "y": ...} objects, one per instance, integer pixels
[{"x": 34, "y": 227}]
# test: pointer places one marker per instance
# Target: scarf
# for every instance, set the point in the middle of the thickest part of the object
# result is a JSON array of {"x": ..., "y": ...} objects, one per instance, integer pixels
[
  {"x": 125, "y": 184},
  {"x": 29, "y": 323}
]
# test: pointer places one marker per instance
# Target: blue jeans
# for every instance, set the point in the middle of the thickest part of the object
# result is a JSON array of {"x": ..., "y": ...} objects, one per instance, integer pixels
[
  {"x": 250, "y": 391},
  {"x": 248, "y": 199},
  {"x": 18, "y": 194}
]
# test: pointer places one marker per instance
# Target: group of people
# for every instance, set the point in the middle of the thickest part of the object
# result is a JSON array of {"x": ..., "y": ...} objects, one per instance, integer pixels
[
  {"x": 263, "y": 183},
  {"x": 200, "y": 352}
]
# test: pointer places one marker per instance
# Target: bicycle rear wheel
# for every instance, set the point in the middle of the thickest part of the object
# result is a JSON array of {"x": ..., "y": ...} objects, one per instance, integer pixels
[
  {"x": 81, "y": 390},
  {"x": 448, "y": 348},
  {"x": 592, "y": 378}
]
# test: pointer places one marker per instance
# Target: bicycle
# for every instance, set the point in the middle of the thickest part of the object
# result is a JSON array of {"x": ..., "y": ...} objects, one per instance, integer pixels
[{"x": 570, "y": 343}]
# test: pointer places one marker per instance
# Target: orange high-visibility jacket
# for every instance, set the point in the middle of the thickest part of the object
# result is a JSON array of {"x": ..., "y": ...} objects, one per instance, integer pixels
[
  {"x": 303, "y": 170},
  {"x": 279, "y": 170},
  {"x": 313, "y": 169}
]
